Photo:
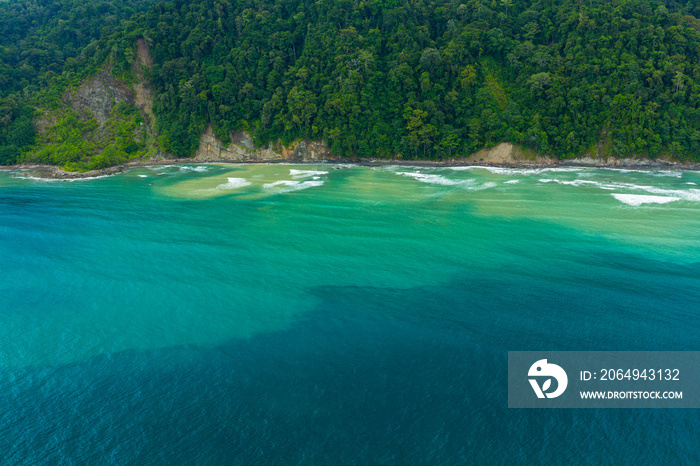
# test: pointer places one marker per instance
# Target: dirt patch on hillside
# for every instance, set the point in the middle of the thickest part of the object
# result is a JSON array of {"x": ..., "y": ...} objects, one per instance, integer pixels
[
  {"x": 505, "y": 154},
  {"x": 142, "y": 86}
]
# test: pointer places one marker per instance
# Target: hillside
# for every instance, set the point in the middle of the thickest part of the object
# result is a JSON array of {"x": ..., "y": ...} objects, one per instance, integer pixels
[{"x": 429, "y": 79}]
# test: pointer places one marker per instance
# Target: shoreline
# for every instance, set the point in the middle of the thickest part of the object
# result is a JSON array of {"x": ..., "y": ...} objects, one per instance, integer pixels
[{"x": 53, "y": 172}]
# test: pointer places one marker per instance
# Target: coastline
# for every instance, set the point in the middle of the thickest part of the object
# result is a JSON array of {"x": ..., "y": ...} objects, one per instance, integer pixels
[{"x": 56, "y": 173}]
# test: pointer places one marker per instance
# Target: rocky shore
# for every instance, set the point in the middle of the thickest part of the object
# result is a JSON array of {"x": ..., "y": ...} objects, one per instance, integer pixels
[{"x": 503, "y": 155}]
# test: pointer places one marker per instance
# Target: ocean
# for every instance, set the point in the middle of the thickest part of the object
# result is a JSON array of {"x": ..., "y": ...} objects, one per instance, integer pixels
[{"x": 335, "y": 314}]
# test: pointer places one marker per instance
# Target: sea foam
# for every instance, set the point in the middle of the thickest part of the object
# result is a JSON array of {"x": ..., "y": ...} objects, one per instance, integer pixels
[
  {"x": 286, "y": 186},
  {"x": 687, "y": 195},
  {"x": 639, "y": 199},
  {"x": 199, "y": 168},
  {"x": 484, "y": 186},
  {"x": 672, "y": 173},
  {"x": 575, "y": 182},
  {"x": 469, "y": 185},
  {"x": 435, "y": 179},
  {"x": 52, "y": 180},
  {"x": 520, "y": 171},
  {"x": 234, "y": 183},
  {"x": 306, "y": 173}
]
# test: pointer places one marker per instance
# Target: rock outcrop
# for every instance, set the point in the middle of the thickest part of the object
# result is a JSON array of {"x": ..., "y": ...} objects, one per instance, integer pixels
[
  {"x": 509, "y": 155},
  {"x": 242, "y": 149},
  {"x": 98, "y": 95},
  {"x": 505, "y": 153}
]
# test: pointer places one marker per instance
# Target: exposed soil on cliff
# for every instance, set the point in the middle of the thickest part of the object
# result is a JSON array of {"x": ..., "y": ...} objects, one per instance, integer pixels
[{"x": 142, "y": 87}]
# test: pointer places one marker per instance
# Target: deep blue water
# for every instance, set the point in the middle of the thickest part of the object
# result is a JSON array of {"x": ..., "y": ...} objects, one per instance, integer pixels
[{"x": 364, "y": 320}]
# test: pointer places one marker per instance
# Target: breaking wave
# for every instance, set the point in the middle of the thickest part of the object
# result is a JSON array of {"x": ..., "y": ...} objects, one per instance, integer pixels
[
  {"x": 234, "y": 183},
  {"x": 286, "y": 186},
  {"x": 639, "y": 199}
]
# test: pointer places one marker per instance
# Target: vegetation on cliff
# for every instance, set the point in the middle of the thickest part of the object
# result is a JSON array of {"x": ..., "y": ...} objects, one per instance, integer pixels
[
  {"x": 47, "y": 48},
  {"x": 426, "y": 79}
]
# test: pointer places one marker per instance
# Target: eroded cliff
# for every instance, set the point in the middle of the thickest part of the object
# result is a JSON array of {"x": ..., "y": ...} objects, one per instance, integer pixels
[{"x": 242, "y": 149}]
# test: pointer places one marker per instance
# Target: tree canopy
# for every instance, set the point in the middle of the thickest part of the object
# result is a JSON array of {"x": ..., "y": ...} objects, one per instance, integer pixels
[{"x": 382, "y": 78}]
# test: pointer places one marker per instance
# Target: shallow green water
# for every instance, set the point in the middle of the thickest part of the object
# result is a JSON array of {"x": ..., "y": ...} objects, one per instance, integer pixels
[{"x": 339, "y": 304}]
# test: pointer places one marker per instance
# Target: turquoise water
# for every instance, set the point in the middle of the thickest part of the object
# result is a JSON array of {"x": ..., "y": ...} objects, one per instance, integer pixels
[{"x": 281, "y": 314}]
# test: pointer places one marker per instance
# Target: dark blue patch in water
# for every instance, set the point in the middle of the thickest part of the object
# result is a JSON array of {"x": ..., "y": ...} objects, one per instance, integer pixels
[{"x": 373, "y": 376}]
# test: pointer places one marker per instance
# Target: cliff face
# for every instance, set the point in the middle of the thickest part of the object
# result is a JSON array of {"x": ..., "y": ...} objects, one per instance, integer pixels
[
  {"x": 242, "y": 149},
  {"x": 102, "y": 122},
  {"x": 507, "y": 154},
  {"x": 101, "y": 93},
  {"x": 142, "y": 86},
  {"x": 98, "y": 96}
]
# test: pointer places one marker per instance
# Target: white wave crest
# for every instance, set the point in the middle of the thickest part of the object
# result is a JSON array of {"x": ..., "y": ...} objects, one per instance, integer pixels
[
  {"x": 33, "y": 178},
  {"x": 687, "y": 195},
  {"x": 198, "y": 168},
  {"x": 484, "y": 186},
  {"x": 608, "y": 187},
  {"x": 639, "y": 199},
  {"x": 286, "y": 186},
  {"x": 436, "y": 179},
  {"x": 143, "y": 176},
  {"x": 53, "y": 180},
  {"x": 521, "y": 171},
  {"x": 234, "y": 183},
  {"x": 306, "y": 173},
  {"x": 573, "y": 183},
  {"x": 512, "y": 182},
  {"x": 672, "y": 173}
]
